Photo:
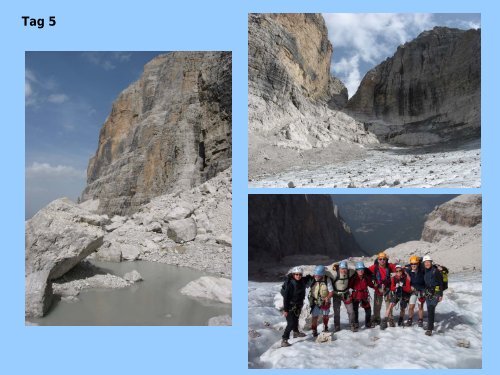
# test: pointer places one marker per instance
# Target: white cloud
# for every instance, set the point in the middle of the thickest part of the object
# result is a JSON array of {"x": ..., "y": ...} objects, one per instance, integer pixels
[
  {"x": 37, "y": 170},
  {"x": 347, "y": 69},
  {"x": 107, "y": 60},
  {"x": 369, "y": 38},
  {"x": 57, "y": 98}
]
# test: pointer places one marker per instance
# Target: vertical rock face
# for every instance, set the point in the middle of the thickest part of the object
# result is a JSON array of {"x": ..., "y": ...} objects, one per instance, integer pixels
[
  {"x": 170, "y": 130},
  {"x": 292, "y": 96},
  {"x": 464, "y": 211},
  {"x": 428, "y": 92},
  {"x": 283, "y": 225}
]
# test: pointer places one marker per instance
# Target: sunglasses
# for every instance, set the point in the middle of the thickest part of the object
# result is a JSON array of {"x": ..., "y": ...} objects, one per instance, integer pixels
[
  {"x": 297, "y": 274},
  {"x": 414, "y": 264},
  {"x": 381, "y": 259},
  {"x": 399, "y": 270}
]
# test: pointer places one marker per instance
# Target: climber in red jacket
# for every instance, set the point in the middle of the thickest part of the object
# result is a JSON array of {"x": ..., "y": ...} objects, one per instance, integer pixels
[
  {"x": 400, "y": 293},
  {"x": 381, "y": 272},
  {"x": 359, "y": 284}
]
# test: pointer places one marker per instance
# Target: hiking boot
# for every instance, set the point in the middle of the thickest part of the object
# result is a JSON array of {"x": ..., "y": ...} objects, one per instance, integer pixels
[
  {"x": 383, "y": 324},
  {"x": 400, "y": 322},
  {"x": 285, "y": 343},
  {"x": 420, "y": 323},
  {"x": 368, "y": 325},
  {"x": 409, "y": 322},
  {"x": 336, "y": 328},
  {"x": 375, "y": 321},
  {"x": 354, "y": 328},
  {"x": 298, "y": 334},
  {"x": 326, "y": 329},
  {"x": 315, "y": 333},
  {"x": 391, "y": 322},
  {"x": 428, "y": 332}
]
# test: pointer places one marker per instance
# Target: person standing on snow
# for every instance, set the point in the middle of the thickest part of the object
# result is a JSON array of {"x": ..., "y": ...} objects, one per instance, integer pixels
[
  {"x": 416, "y": 272},
  {"x": 433, "y": 291},
  {"x": 293, "y": 300},
  {"x": 340, "y": 275},
  {"x": 400, "y": 293},
  {"x": 319, "y": 299},
  {"x": 381, "y": 270},
  {"x": 359, "y": 284}
]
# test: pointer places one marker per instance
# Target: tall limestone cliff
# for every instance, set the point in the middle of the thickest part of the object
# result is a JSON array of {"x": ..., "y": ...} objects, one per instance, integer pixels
[
  {"x": 464, "y": 211},
  {"x": 293, "y": 99},
  {"x": 428, "y": 92},
  {"x": 170, "y": 130},
  {"x": 284, "y": 225}
]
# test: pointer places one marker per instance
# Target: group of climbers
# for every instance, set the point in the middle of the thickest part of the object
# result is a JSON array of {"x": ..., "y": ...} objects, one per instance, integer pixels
[{"x": 394, "y": 284}]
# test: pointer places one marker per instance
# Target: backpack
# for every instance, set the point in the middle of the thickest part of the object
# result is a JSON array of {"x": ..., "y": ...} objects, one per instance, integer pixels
[
  {"x": 444, "y": 275},
  {"x": 284, "y": 286}
]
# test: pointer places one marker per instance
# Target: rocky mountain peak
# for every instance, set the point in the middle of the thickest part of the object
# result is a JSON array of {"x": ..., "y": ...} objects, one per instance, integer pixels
[
  {"x": 464, "y": 211},
  {"x": 427, "y": 92},
  {"x": 170, "y": 130}
]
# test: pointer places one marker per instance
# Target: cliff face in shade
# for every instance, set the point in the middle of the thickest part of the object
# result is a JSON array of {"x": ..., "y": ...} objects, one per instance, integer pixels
[
  {"x": 292, "y": 97},
  {"x": 428, "y": 92},
  {"x": 283, "y": 225},
  {"x": 464, "y": 211},
  {"x": 170, "y": 130}
]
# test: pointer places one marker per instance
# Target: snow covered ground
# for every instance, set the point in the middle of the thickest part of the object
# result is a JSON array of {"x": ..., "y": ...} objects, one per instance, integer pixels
[
  {"x": 390, "y": 167},
  {"x": 459, "y": 324}
]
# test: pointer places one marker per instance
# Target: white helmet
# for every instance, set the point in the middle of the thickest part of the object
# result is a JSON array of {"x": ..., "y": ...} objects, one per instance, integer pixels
[
  {"x": 427, "y": 258},
  {"x": 297, "y": 270}
]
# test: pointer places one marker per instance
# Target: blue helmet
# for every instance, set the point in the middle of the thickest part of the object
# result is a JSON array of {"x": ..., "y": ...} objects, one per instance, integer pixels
[
  {"x": 343, "y": 264},
  {"x": 360, "y": 266},
  {"x": 319, "y": 271}
]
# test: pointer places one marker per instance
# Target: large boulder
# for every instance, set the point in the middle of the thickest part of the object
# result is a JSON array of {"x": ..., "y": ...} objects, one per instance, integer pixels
[
  {"x": 58, "y": 237},
  {"x": 182, "y": 230},
  {"x": 209, "y": 287},
  {"x": 38, "y": 294}
]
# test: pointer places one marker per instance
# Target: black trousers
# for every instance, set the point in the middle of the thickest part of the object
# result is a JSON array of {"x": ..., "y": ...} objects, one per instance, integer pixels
[
  {"x": 368, "y": 310},
  {"x": 292, "y": 322},
  {"x": 431, "y": 311}
]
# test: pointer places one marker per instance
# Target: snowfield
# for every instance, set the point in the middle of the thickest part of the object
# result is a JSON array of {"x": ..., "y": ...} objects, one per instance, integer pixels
[
  {"x": 390, "y": 167},
  {"x": 456, "y": 343}
]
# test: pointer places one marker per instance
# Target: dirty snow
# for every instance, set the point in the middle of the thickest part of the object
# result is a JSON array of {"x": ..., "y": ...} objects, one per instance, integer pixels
[{"x": 383, "y": 167}]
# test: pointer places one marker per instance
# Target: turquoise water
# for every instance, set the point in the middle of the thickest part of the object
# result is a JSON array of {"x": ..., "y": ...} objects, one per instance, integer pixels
[{"x": 154, "y": 301}]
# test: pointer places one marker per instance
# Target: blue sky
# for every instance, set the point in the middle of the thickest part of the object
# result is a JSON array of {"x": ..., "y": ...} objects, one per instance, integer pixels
[
  {"x": 68, "y": 96},
  {"x": 363, "y": 40}
]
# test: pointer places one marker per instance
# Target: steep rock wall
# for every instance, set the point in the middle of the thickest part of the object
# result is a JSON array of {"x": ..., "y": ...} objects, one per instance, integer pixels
[
  {"x": 284, "y": 225},
  {"x": 464, "y": 211},
  {"x": 170, "y": 130},
  {"x": 428, "y": 92},
  {"x": 292, "y": 96}
]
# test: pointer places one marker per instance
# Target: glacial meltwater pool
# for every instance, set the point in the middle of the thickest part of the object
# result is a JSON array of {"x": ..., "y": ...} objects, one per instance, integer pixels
[{"x": 155, "y": 301}]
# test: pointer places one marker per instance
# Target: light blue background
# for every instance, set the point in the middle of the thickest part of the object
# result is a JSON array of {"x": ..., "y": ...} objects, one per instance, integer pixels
[{"x": 193, "y": 25}]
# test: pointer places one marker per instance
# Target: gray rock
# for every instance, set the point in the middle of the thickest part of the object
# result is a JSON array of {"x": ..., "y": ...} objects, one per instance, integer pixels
[
  {"x": 221, "y": 320},
  {"x": 39, "y": 295},
  {"x": 324, "y": 338},
  {"x": 130, "y": 252},
  {"x": 178, "y": 213},
  {"x": 133, "y": 276},
  {"x": 225, "y": 240},
  {"x": 169, "y": 131},
  {"x": 207, "y": 188},
  {"x": 428, "y": 92},
  {"x": 182, "y": 230},
  {"x": 209, "y": 287},
  {"x": 110, "y": 254},
  {"x": 154, "y": 227},
  {"x": 59, "y": 236}
]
